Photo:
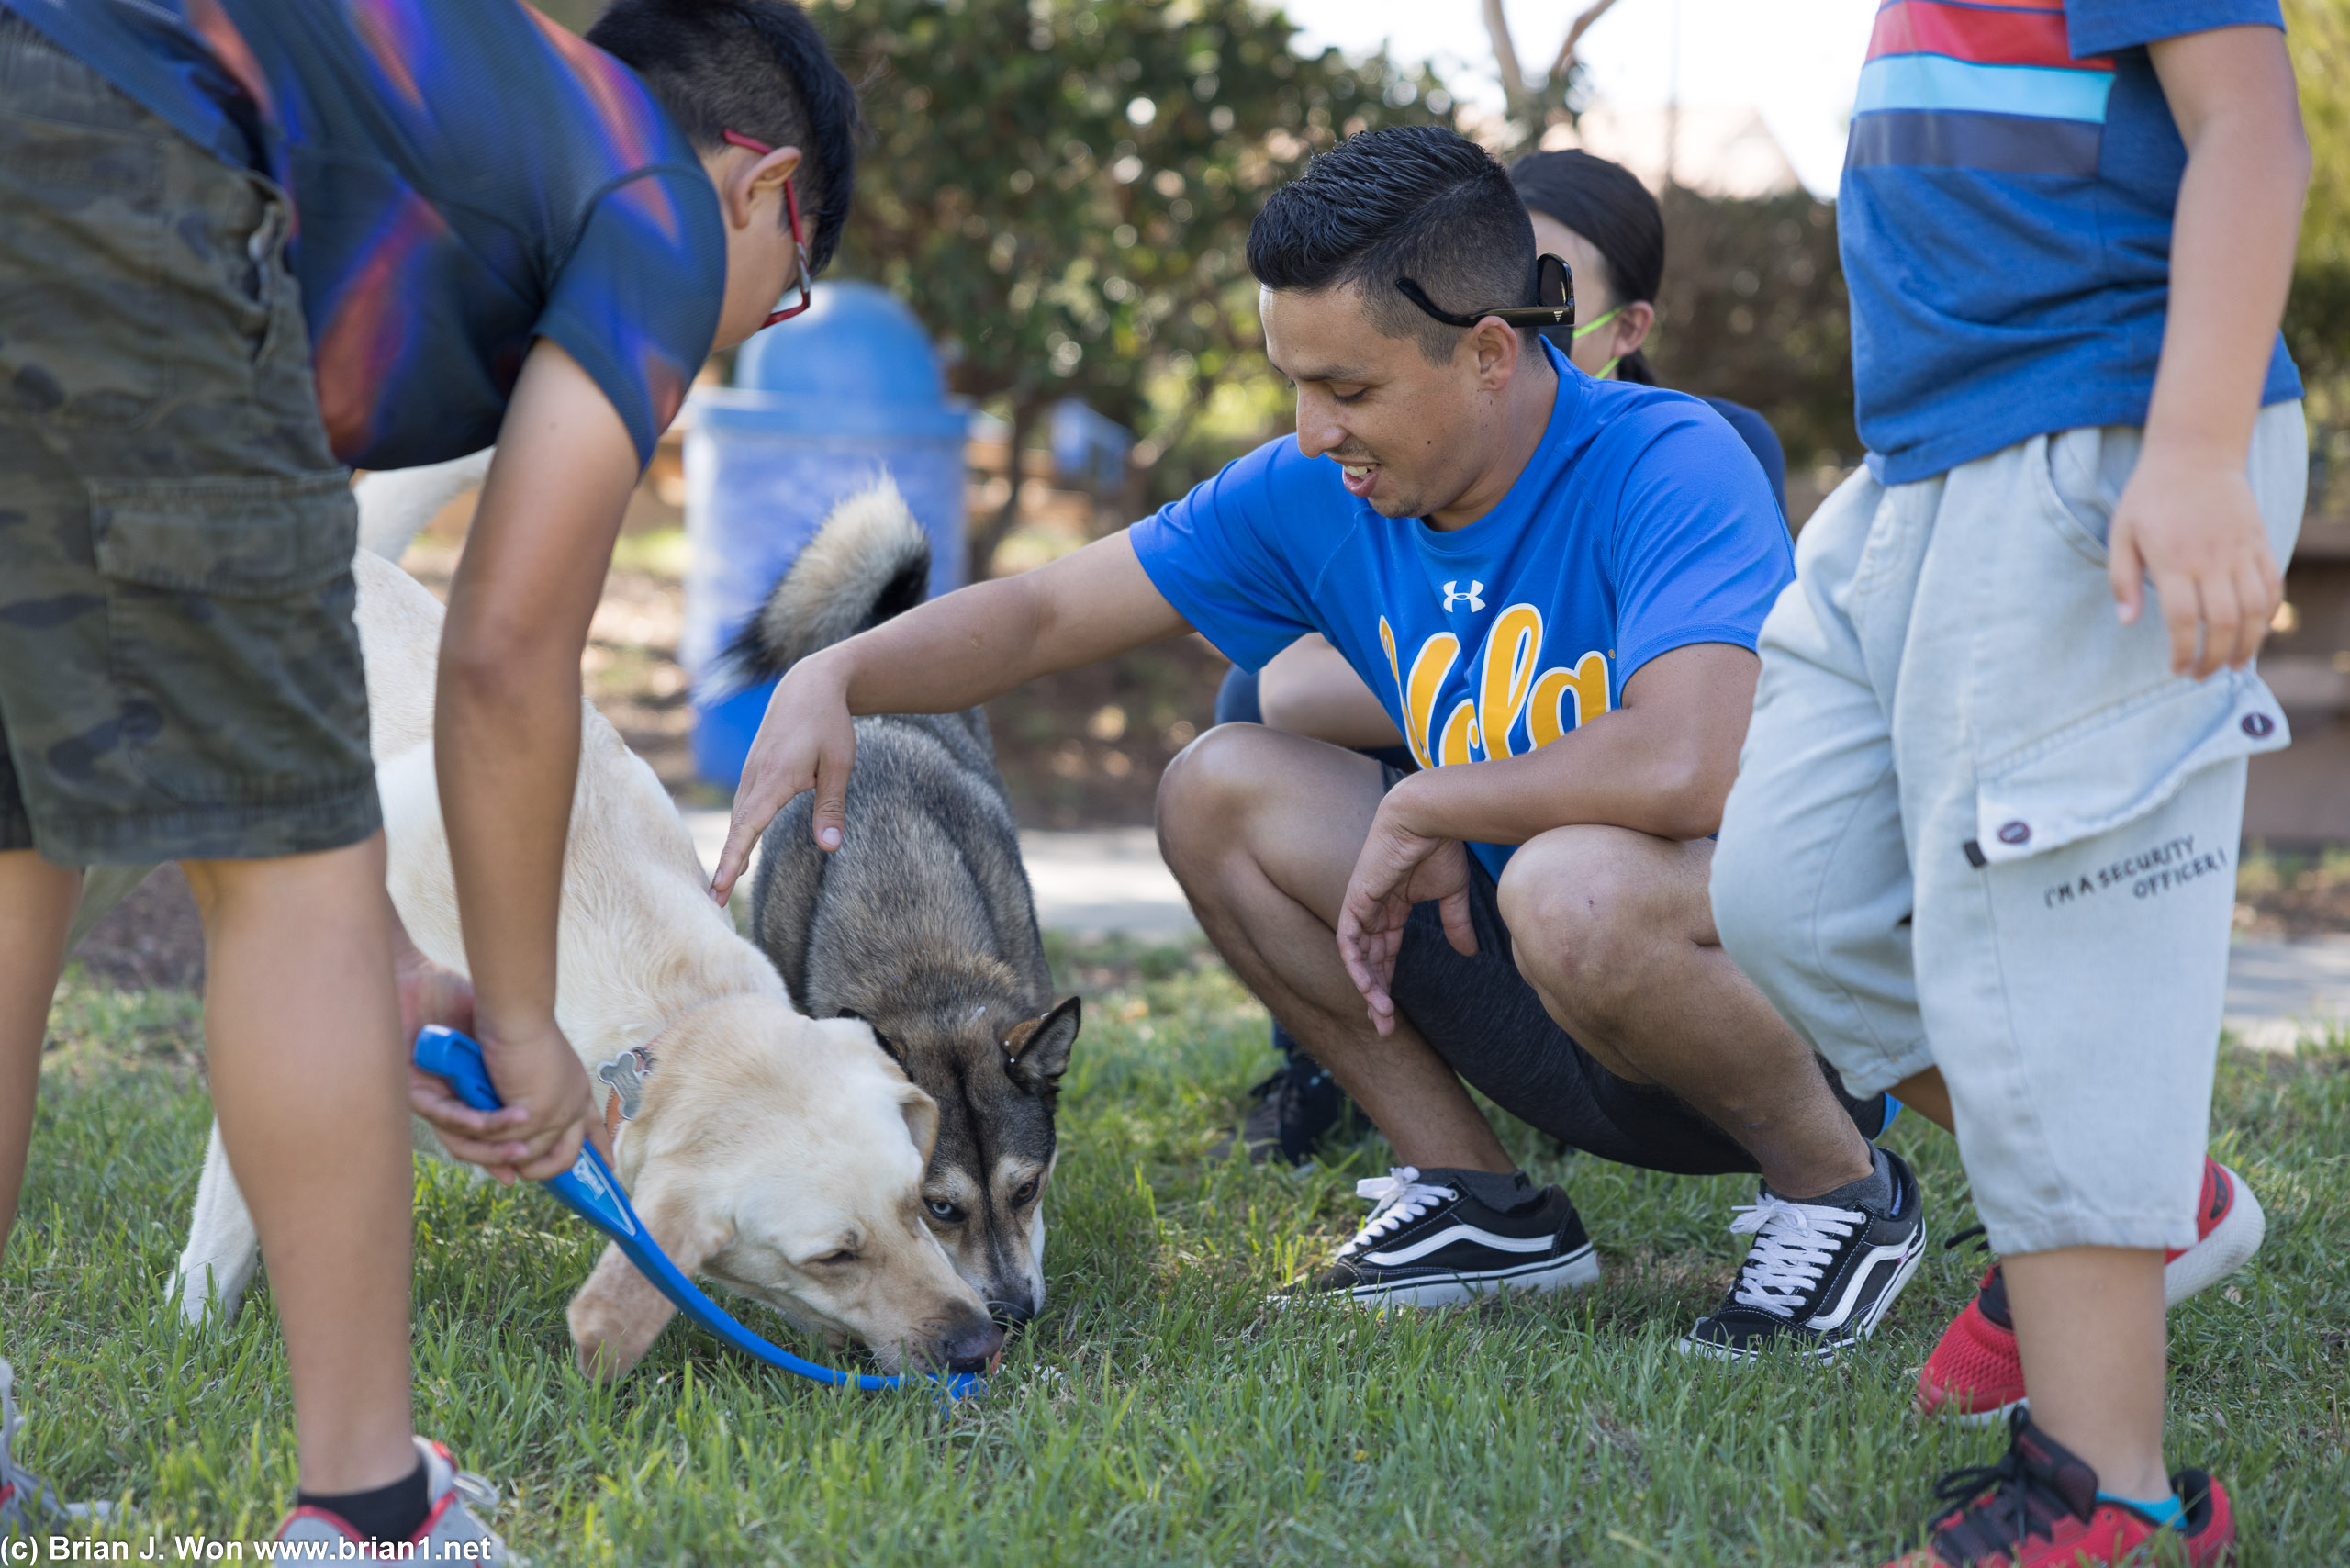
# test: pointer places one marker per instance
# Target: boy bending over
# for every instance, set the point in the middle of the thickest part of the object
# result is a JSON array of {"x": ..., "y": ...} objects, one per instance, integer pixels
[{"x": 249, "y": 242}]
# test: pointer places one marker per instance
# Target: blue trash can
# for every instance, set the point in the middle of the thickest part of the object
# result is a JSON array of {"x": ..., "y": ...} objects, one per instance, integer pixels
[{"x": 820, "y": 406}]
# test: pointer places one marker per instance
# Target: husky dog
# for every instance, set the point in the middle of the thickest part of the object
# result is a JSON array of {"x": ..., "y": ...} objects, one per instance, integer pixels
[{"x": 921, "y": 922}]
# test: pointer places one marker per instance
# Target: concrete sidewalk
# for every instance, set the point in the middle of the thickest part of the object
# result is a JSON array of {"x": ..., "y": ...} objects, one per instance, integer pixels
[
  {"x": 2280, "y": 993},
  {"x": 1090, "y": 884},
  {"x": 1112, "y": 881}
]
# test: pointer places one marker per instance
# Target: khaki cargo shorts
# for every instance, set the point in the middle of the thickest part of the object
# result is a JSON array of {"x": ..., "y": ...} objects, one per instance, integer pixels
[
  {"x": 1979, "y": 825},
  {"x": 180, "y": 675}
]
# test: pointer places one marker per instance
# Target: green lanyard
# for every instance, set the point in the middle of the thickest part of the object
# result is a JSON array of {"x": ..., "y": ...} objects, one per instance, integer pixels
[{"x": 1609, "y": 368}]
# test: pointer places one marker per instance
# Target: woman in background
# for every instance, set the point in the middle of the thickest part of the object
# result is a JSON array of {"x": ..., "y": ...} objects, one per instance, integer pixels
[{"x": 1597, "y": 218}]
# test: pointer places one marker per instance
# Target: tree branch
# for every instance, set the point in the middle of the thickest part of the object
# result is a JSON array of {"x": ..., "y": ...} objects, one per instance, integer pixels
[
  {"x": 1514, "y": 86},
  {"x": 1566, "y": 59}
]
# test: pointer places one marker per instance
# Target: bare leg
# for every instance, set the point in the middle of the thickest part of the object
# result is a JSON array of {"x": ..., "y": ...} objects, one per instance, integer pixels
[
  {"x": 1926, "y": 1093},
  {"x": 2089, "y": 1324},
  {"x": 1613, "y": 930},
  {"x": 309, "y": 1085},
  {"x": 1262, "y": 829},
  {"x": 37, "y": 903}
]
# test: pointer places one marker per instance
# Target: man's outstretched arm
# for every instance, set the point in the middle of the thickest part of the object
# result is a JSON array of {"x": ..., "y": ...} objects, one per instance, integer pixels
[{"x": 941, "y": 658}]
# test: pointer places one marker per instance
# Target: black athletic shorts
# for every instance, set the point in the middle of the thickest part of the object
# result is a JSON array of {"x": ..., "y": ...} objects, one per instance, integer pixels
[{"x": 1489, "y": 1025}]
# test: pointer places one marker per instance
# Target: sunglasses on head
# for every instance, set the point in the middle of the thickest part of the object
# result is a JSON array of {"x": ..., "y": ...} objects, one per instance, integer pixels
[
  {"x": 800, "y": 244},
  {"x": 1554, "y": 289}
]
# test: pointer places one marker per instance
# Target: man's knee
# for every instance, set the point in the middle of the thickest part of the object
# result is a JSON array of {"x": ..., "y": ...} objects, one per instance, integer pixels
[
  {"x": 1586, "y": 908},
  {"x": 1209, "y": 786}
]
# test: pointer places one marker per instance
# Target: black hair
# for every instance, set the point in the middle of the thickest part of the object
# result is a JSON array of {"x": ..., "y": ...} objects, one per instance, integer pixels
[
  {"x": 1410, "y": 201},
  {"x": 1605, "y": 204},
  {"x": 757, "y": 67}
]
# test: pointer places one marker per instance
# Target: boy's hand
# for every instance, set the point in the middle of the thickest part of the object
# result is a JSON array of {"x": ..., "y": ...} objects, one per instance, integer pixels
[
  {"x": 2191, "y": 525},
  {"x": 550, "y": 1108},
  {"x": 807, "y": 741},
  {"x": 428, "y": 993},
  {"x": 1398, "y": 867}
]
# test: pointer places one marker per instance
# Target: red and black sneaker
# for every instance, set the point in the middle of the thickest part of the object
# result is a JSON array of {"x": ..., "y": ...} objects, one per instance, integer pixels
[
  {"x": 2039, "y": 1507},
  {"x": 1976, "y": 1375}
]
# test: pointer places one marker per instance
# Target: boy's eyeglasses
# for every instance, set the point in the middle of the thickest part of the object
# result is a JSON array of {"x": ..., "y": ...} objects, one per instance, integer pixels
[
  {"x": 799, "y": 242},
  {"x": 1554, "y": 288}
]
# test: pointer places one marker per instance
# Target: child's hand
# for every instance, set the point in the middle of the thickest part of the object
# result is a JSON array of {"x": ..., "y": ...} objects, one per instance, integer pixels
[
  {"x": 2191, "y": 526},
  {"x": 550, "y": 1108},
  {"x": 428, "y": 993}
]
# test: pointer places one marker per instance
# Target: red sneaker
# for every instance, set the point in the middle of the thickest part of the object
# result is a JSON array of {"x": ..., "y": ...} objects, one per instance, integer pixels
[
  {"x": 2038, "y": 1507},
  {"x": 1975, "y": 1376}
]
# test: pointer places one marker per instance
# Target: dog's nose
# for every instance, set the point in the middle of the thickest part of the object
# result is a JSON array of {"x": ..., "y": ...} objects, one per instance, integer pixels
[
  {"x": 971, "y": 1350},
  {"x": 1013, "y": 1309}
]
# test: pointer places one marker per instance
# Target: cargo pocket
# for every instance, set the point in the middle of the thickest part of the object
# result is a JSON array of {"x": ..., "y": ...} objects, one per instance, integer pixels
[
  {"x": 2119, "y": 764},
  {"x": 230, "y": 635},
  {"x": 227, "y": 538}
]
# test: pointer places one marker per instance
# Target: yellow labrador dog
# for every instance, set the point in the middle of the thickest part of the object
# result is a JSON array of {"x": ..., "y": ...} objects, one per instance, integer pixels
[{"x": 778, "y": 1154}]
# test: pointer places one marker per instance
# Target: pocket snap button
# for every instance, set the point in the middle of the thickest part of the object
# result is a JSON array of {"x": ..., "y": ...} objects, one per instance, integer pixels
[{"x": 2015, "y": 833}]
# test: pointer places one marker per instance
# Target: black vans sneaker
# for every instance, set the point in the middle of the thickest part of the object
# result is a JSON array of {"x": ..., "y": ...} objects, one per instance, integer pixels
[
  {"x": 1295, "y": 1109},
  {"x": 1426, "y": 1244},
  {"x": 1817, "y": 1276}
]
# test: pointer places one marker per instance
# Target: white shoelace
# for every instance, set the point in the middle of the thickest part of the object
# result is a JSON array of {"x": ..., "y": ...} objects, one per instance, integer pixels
[
  {"x": 1794, "y": 1245},
  {"x": 1397, "y": 1199}
]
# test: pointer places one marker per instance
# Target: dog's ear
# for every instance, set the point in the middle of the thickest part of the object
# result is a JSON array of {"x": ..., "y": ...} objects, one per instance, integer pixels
[
  {"x": 922, "y": 1119},
  {"x": 618, "y": 1313},
  {"x": 889, "y": 1047},
  {"x": 1036, "y": 1052}
]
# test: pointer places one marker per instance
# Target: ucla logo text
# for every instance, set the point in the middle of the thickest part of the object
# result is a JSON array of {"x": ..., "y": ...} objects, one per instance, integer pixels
[{"x": 1506, "y": 683}]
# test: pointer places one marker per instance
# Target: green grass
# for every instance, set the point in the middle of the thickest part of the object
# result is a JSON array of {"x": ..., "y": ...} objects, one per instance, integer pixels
[{"x": 1156, "y": 1413}]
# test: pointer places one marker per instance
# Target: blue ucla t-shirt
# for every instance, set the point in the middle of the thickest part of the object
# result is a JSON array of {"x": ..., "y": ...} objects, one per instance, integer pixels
[
  {"x": 1640, "y": 525},
  {"x": 2005, "y": 221},
  {"x": 466, "y": 175}
]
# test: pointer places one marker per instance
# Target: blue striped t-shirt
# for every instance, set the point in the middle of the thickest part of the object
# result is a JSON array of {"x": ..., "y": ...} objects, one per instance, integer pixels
[{"x": 2005, "y": 221}]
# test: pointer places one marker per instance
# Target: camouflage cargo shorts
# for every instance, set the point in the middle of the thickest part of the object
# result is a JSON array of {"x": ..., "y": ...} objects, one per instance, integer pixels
[{"x": 180, "y": 675}]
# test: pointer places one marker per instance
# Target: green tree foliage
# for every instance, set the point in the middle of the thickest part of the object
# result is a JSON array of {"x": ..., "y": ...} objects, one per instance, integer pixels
[
  {"x": 2317, "y": 317},
  {"x": 1753, "y": 309},
  {"x": 1062, "y": 189}
]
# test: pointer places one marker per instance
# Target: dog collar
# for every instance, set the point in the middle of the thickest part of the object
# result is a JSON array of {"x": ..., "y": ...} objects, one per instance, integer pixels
[{"x": 623, "y": 1078}]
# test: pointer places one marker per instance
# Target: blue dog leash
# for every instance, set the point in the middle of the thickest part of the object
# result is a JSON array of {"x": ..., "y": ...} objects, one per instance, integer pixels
[{"x": 590, "y": 1190}]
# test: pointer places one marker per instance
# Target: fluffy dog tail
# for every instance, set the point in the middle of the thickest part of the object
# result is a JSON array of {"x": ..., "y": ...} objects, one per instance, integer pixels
[
  {"x": 396, "y": 504},
  {"x": 870, "y": 561}
]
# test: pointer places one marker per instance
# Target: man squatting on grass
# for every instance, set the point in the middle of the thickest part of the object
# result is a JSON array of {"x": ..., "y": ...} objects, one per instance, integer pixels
[
  {"x": 1555, "y": 584},
  {"x": 505, "y": 235},
  {"x": 1980, "y": 849}
]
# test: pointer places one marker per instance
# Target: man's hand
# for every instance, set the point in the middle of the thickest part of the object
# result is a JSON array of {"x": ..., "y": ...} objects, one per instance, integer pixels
[
  {"x": 550, "y": 1109},
  {"x": 1398, "y": 867},
  {"x": 2193, "y": 528},
  {"x": 807, "y": 741}
]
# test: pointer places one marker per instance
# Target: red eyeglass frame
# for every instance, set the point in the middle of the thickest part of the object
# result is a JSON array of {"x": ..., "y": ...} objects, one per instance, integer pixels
[{"x": 798, "y": 242}]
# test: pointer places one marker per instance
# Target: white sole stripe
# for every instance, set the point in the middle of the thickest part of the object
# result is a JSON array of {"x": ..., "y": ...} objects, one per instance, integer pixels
[
  {"x": 1452, "y": 1233},
  {"x": 1902, "y": 1255}
]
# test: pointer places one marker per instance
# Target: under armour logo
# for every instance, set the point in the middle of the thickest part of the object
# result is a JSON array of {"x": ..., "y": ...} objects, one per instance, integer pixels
[{"x": 1452, "y": 595}]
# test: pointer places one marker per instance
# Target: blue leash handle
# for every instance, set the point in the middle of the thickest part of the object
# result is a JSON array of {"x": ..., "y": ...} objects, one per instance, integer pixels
[{"x": 591, "y": 1190}]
